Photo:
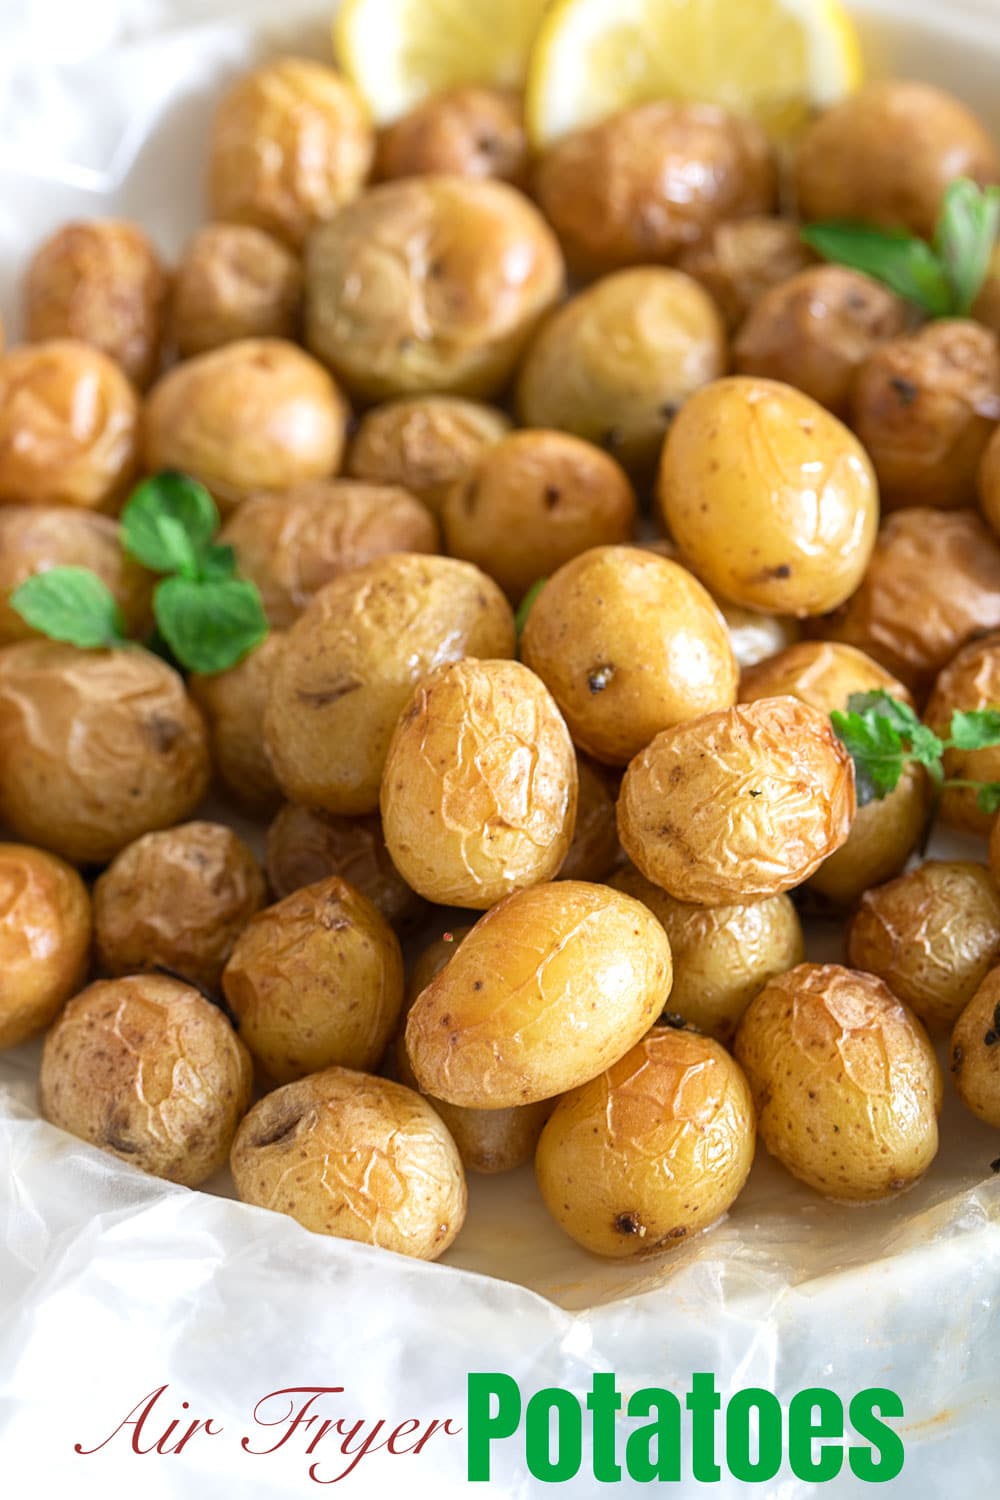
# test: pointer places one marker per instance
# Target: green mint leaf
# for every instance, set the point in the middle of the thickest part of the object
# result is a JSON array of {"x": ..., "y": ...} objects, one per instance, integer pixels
[
  {"x": 177, "y": 544},
  {"x": 169, "y": 523},
  {"x": 898, "y": 714},
  {"x": 527, "y": 603},
  {"x": 209, "y": 626},
  {"x": 72, "y": 605},
  {"x": 876, "y": 748},
  {"x": 906, "y": 265},
  {"x": 966, "y": 234},
  {"x": 988, "y": 798},
  {"x": 217, "y": 563},
  {"x": 977, "y": 730}
]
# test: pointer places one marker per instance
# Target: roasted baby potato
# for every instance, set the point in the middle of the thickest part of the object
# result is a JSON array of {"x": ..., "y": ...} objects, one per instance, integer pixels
[
  {"x": 969, "y": 682},
  {"x": 739, "y": 260},
  {"x": 424, "y": 443},
  {"x": 594, "y": 849},
  {"x": 233, "y": 703},
  {"x": 234, "y": 282},
  {"x": 45, "y": 927},
  {"x": 975, "y": 1051},
  {"x": 468, "y": 132},
  {"x": 305, "y": 846}
]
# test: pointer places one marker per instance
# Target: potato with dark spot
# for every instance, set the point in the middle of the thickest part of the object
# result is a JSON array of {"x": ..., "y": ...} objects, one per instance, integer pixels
[
  {"x": 653, "y": 1151},
  {"x": 234, "y": 282},
  {"x": 150, "y": 1071},
  {"x": 969, "y": 683},
  {"x": 424, "y": 443},
  {"x": 594, "y": 849},
  {"x": 233, "y": 703},
  {"x": 45, "y": 924},
  {"x": 741, "y": 259},
  {"x": 975, "y": 1052},
  {"x": 470, "y": 132}
]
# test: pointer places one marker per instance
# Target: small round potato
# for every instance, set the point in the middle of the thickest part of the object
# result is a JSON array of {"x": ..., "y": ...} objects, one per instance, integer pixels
[
  {"x": 425, "y": 443},
  {"x": 975, "y": 1052},
  {"x": 816, "y": 331},
  {"x": 234, "y": 282},
  {"x": 254, "y": 415},
  {"x": 970, "y": 681},
  {"x": 925, "y": 408},
  {"x": 654, "y": 1150},
  {"x": 233, "y": 703},
  {"x": 479, "y": 789},
  {"x": 551, "y": 986},
  {"x": 770, "y": 499},
  {"x": 177, "y": 900},
  {"x": 305, "y": 846},
  {"x": 886, "y": 155},
  {"x": 100, "y": 281},
  {"x": 845, "y": 1081},
  {"x": 738, "y": 805},
  {"x": 44, "y": 939},
  {"x": 594, "y": 850},
  {"x": 316, "y": 982},
  {"x": 431, "y": 284},
  {"x": 356, "y": 1157},
  {"x": 753, "y": 636},
  {"x": 741, "y": 259},
  {"x": 150, "y": 1071},
  {"x": 69, "y": 427},
  {"x": 932, "y": 935},
  {"x": 531, "y": 502},
  {"x": 638, "y": 187},
  {"x": 290, "y": 144},
  {"x": 293, "y": 542},
  {"x": 628, "y": 643},
  {"x": 722, "y": 955},
  {"x": 96, "y": 748},
  {"x": 353, "y": 660},
  {"x": 469, "y": 132},
  {"x": 616, "y": 363}
]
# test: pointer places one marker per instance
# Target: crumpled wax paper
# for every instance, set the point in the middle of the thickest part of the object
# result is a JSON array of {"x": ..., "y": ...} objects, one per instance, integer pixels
[{"x": 113, "y": 1284}]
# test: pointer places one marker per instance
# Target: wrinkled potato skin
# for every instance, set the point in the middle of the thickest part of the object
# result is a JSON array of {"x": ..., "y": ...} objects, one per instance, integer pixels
[
  {"x": 722, "y": 955},
  {"x": 430, "y": 284},
  {"x": 35, "y": 539},
  {"x": 426, "y": 444},
  {"x": 234, "y": 282},
  {"x": 150, "y": 1071},
  {"x": 356, "y": 1157},
  {"x": 619, "y": 359},
  {"x": 845, "y": 1082},
  {"x": 975, "y": 1052},
  {"x": 316, "y": 982},
  {"x": 177, "y": 900},
  {"x": 353, "y": 660},
  {"x": 290, "y": 144},
  {"x": 628, "y": 644},
  {"x": 932, "y": 935},
  {"x": 885, "y": 156},
  {"x": 969, "y": 682},
  {"x": 551, "y": 986},
  {"x": 925, "y": 408},
  {"x": 639, "y": 187},
  {"x": 96, "y": 748},
  {"x": 594, "y": 850},
  {"x": 292, "y": 543},
  {"x": 654, "y": 1150},
  {"x": 101, "y": 282},
  {"x": 687, "y": 820},
  {"x": 532, "y": 502},
  {"x": 69, "y": 427},
  {"x": 741, "y": 259},
  {"x": 466, "y": 132},
  {"x": 755, "y": 637},
  {"x": 816, "y": 331},
  {"x": 233, "y": 703},
  {"x": 739, "y": 494},
  {"x": 480, "y": 785},
  {"x": 45, "y": 925},
  {"x": 258, "y": 414}
]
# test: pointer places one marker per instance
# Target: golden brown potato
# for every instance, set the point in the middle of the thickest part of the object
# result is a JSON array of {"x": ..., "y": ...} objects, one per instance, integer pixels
[
  {"x": 770, "y": 499},
  {"x": 177, "y": 900},
  {"x": 884, "y": 834},
  {"x": 753, "y": 636},
  {"x": 100, "y": 281},
  {"x": 932, "y": 935},
  {"x": 886, "y": 155},
  {"x": 653, "y": 1151},
  {"x": 258, "y": 414},
  {"x": 845, "y": 1082},
  {"x": 293, "y": 542},
  {"x": 738, "y": 805},
  {"x": 290, "y": 144},
  {"x": 316, "y": 982},
  {"x": 969, "y": 682},
  {"x": 96, "y": 748},
  {"x": 551, "y": 986},
  {"x": 305, "y": 846},
  {"x": 356, "y": 1157},
  {"x": 739, "y": 260},
  {"x": 594, "y": 849},
  {"x": 69, "y": 427},
  {"x": 479, "y": 788},
  {"x": 234, "y": 282},
  {"x": 353, "y": 660},
  {"x": 987, "y": 308},
  {"x": 722, "y": 955},
  {"x": 469, "y": 132},
  {"x": 925, "y": 408},
  {"x": 628, "y": 643},
  {"x": 44, "y": 939},
  {"x": 615, "y": 364},
  {"x": 531, "y": 502},
  {"x": 233, "y": 703},
  {"x": 150, "y": 1071},
  {"x": 816, "y": 331},
  {"x": 426, "y": 444},
  {"x": 431, "y": 284},
  {"x": 639, "y": 187},
  {"x": 975, "y": 1051}
]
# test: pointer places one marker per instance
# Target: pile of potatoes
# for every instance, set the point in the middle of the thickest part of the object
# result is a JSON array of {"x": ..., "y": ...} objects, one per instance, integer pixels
[{"x": 509, "y": 890}]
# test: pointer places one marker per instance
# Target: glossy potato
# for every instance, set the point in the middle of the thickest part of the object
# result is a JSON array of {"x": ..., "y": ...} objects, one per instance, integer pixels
[
  {"x": 970, "y": 682},
  {"x": 975, "y": 1052},
  {"x": 594, "y": 849},
  {"x": 424, "y": 443},
  {"x": 739, "y": 260},
  {"x": 469, "y": 132},
  {"x": 233, "y": 703},
  {"x": 234, "y": 282},
  {"x": 45, "y": 924}
]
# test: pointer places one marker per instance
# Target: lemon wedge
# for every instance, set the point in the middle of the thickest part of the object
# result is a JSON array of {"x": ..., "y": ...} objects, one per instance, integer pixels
[{"x": 774, "y": 60}]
